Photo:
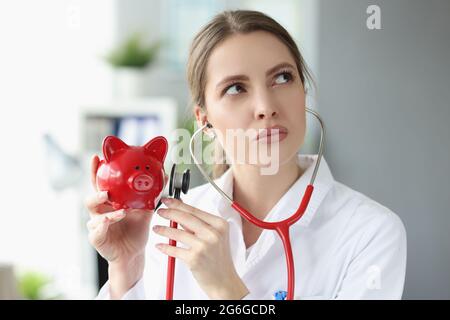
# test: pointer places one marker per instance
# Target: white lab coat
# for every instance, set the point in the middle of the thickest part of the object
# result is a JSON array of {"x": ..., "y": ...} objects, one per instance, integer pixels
[{"x": 346, "y": 245}]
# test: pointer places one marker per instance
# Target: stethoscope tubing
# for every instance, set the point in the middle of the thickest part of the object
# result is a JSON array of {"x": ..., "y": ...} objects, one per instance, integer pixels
[{"x": 281, "y": 227}]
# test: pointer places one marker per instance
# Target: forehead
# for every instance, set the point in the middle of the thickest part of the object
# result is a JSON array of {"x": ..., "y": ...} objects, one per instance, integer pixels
[{"x": 245, "y": 54}]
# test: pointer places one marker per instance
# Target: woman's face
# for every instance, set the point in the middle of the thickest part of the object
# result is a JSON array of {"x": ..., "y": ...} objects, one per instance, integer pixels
[{"x": 253, "y": 83}]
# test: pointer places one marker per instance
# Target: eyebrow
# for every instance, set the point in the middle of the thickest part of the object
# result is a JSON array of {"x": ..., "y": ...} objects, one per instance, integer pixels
[{"x": 244, "y": 77}]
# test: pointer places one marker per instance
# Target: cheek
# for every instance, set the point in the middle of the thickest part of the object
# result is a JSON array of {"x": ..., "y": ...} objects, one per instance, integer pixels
[
  {"x": 300, "y": 123},
  {"x": 230, "y": 117},
  {"x": 294, "y": 112},
  {"x": 294, "y": 108},
  {"x": 226, "y": 112}
]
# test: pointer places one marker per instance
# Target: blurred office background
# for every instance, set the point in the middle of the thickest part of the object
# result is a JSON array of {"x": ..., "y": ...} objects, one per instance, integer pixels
[{"x": 384, "y": 95}]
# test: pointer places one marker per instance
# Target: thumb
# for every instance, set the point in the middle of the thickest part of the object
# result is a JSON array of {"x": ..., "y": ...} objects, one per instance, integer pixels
[{"x": 166, "y": 179}]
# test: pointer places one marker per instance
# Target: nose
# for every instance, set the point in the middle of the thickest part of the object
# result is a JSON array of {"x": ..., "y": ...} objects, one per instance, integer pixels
[
  {"x": 142, "y": 182},
  {"x": 265, "y": 106},
  {"x": 266, "y": 114}
]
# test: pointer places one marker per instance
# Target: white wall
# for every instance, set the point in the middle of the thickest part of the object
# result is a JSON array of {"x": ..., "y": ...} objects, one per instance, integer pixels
[
  {"x": 385, "y": 98},
  {"x": 49, "y": 67}
]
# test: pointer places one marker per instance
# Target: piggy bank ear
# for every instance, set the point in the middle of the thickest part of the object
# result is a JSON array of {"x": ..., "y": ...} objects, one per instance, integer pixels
[
  {"x": 112, "y": 145},
  {"x": 157, "y": 148}
]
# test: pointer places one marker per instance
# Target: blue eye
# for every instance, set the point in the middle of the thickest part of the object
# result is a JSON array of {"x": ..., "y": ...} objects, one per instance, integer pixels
[
  {"x": 236, "y": 88},
  {"x": 286, "y": 74},
  {"x": 232, "y": 90}
]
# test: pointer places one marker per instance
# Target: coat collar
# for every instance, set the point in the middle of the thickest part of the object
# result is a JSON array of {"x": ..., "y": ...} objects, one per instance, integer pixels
[
  {"x": 290, "y": 201},
  {"x": 284, "y": 208}
]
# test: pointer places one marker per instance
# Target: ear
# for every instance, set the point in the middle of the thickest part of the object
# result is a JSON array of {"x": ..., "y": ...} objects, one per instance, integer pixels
[
  {"x": 201, "y": 117},
  {"x": 157, "y": 148},
  {"x": 111, "y": 145}
]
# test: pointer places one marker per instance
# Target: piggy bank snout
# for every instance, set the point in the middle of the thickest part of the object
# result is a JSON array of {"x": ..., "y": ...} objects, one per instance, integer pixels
[{"x": 141, "y": 182}]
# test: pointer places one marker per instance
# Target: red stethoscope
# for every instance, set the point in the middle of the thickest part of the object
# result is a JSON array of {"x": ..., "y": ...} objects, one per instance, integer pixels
[{"x": 281, "y": 227}]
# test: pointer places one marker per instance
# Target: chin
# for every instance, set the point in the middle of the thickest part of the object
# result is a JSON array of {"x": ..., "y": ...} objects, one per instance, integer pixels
[{"x": 286, "y": 152}]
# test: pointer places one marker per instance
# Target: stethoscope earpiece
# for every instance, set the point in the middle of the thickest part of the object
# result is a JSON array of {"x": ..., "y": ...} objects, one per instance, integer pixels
[{"x": 212, "y": 135}]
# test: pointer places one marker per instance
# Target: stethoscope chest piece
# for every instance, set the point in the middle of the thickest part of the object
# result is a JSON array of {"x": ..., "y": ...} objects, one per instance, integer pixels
[{"x": 178, "y": 182}]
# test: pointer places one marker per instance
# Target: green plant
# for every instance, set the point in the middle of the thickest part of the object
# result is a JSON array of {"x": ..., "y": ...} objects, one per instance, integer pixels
[
  {"x": 32, "y": 285},
  {"x": 133, "y": 53},
  {"x": 190, "y": 124}
]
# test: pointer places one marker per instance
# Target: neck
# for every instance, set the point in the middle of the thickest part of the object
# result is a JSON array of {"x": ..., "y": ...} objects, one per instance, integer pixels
[{"x": 259, "y": 193}]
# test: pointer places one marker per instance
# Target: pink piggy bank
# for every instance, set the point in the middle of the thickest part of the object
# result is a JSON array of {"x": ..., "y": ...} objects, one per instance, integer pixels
[{"x": 132, "y": 175}]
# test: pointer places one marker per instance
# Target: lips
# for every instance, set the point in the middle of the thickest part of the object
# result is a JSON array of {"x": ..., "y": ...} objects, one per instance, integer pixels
[{"x": 271, "y": 134}]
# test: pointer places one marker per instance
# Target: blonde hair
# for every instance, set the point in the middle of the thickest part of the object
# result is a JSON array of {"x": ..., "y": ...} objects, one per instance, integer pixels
[{"x": 217, "y": 30}]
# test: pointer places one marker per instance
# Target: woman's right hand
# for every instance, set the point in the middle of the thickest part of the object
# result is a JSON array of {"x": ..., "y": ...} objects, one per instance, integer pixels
[{"x": 118, "y": 236}]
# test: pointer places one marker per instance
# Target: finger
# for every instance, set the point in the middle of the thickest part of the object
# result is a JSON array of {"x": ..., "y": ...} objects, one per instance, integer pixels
[
  {"x": 186, "y": 228},
  {"x": 166, "y": 179},
  {"x": 204, "y": 216},
  {"x": 180, "y": 224},
  {"x": 97, "y": 203},
  {"x": 173, "y": 251},
  {"x": 97, "y": 236},
  {"x": 112, "y": 217},
  {"x": 94, "y": 166},
  {"x": 177, "y": 235},
  {"x": 199, "y": 227}
]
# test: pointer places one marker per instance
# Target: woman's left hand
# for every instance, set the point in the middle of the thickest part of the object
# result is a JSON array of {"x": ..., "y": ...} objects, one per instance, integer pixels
[{"x": 208, "y": 253}]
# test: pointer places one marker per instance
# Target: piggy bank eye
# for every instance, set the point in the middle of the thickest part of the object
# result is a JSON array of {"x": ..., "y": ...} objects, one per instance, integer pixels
[
  {"x": 137, "y": 167},
  {"x": 147, "y": 167}
]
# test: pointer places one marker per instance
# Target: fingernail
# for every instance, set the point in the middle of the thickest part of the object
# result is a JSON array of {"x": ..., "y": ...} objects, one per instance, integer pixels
[
  {"x": 158, "y": 245},
  {"x": 120, "y": 213},
  {"x": 155, "y": 228},
  {"x": 103, "y": 195},
  {"x": 167, "y": 200}
]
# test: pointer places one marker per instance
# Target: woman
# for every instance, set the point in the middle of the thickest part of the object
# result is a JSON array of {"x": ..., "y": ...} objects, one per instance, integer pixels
[{"x": 345, "y": 246}]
